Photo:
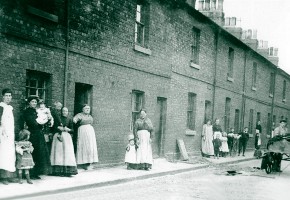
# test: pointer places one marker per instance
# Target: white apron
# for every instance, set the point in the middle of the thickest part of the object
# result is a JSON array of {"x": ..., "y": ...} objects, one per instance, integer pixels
[{"x": 7, "y": 146}]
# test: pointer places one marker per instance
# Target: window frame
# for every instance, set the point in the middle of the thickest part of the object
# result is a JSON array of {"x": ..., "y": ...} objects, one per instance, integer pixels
[
  {"x": 254, "y": 76},
  {"x": 195, "y": 46},
  {"x": 191, "y": 111},
  {"x": 231, "y": 57},
  {"x": 136, "y": 105}
]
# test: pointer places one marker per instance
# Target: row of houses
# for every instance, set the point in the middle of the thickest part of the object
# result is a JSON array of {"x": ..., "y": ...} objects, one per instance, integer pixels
[{"x": 122, "y": 55}]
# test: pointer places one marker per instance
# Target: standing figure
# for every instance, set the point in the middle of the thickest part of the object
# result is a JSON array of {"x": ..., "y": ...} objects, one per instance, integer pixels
[
  {"x": 40, "y": 154},
  {"x": 236, "y": 143},
  {"x": 130, "y": 156},
  {"x": 231, "y": 140},
  {"x": 143, "y": 134},
  {"x": 206, "y": 141},
  {"x": 243, "y": 141},
  {"x": 217, "y": 129},
  {"x": 258, "y": 135},
  {"x": 24, "y": 160},
  {"x": 217, "y": 143},
  {"x": 281, "y": 130},
  {"x": 7, "y": 138},
  {"x": 224, "y": 147},
  {"x": 87, "y": 152},
  {"x": 62, "y": 155}
]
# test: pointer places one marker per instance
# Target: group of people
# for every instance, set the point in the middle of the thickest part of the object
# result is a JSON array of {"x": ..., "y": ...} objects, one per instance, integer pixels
[
  {"x": 217, "y": 143},
  {"x": 45, "y": 145}
]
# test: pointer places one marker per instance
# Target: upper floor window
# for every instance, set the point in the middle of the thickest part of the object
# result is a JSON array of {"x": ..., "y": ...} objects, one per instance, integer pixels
[
  {"x": 272, "y": 82},
  {"x": 195, "y": 46},
  {"x": 43, "y": 8},
  {"x": 137, "y": 103},
  {"x": 142, "y": 23},
  {"x": 284, "y": 91},
  {"x": 254, "y": 77},
  {"x": 38, "y": 83},
  {"x": 191, "y": 111},
  {"x": 231, "y": 55}
]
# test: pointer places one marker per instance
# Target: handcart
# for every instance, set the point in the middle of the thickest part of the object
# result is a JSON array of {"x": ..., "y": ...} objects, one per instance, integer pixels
[{"x": 278, "y": 149}]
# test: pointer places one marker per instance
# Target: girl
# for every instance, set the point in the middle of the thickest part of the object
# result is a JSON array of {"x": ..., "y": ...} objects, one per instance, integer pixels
[
  {"x": 217, "y": 143},
  {"x": 224, "y": 147},
  {"x": 24, "y": 159},
  {"x": 130, "y": 156}
]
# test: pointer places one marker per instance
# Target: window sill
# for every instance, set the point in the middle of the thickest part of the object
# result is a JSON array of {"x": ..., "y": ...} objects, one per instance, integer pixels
[
  {"x": 42, "y": 14},
  {"x": 284, "y": 100},
  {"x": 254, "y": 88},
  {"x": 142, "y": 50},
  {"x": 230, "y": 79},
  {"x": 271, "y": 95},
  {"x": 193, "y": 65},
  {"x": 190, "y": 132}
]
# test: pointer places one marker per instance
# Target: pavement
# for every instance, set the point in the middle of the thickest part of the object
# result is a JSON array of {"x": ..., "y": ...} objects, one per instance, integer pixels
[{"x": 98, "y": 177}]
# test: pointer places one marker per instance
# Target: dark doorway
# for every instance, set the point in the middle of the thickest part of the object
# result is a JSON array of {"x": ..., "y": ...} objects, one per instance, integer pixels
[
  {"x": 160, "y": 124},
  {"x": 83, "y": 95},
  {"x": 237, "y": 121}
]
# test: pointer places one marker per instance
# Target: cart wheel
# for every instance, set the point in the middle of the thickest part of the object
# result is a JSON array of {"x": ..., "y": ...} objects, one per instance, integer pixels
[{"x": 268, "y": 168}]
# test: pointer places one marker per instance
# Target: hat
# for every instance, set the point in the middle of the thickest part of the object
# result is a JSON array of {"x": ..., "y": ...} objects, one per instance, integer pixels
[
  {"x": 283, "y": 120},
  {"x": 130, "y": 137},
  {"x": 31, "y": 97}
]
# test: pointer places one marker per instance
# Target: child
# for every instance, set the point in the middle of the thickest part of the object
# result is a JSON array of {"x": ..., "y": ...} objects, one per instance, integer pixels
[
  {"x": 130, "y": 157},
  {"x": 217, "y": 143},
  {"x": 224, "y": 147},
  {"x": 244, "y": 137},
  {"x": 257, "y": 152},
  {"x": 231, "y": 140},
  {"x": 24, "y": 159}
]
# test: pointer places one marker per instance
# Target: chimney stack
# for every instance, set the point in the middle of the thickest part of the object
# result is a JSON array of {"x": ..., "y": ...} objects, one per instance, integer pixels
[
  {"x": 221, "y": 5},
  {"x": 213, "y": 9},
  {"x": 273, "y": 55}
]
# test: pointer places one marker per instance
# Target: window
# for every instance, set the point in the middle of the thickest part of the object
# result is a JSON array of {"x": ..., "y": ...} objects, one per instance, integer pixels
[
  {"x": 284, "y": 91},
  {"x": 137, "y": 104},
  {"x": 269, "y": 126},
  {"x": 142, "y": 24},
  {"x": 195, "y": 46},
  {"x": 227, "y": 114},
  {"x": 272, "y": 82},
  {"x": 38, "y": 83},
  {"x": 254, "y": 78},
  {"x": 191, "y": 111},
  {"x": 231, "y": 63},
  {"x": 251, "y": 119}
]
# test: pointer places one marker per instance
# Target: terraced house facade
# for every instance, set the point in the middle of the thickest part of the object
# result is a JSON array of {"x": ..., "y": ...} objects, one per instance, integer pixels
[{"x": 121, "y": 55}]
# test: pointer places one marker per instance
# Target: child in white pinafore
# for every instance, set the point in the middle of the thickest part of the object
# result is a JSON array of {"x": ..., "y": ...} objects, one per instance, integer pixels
[
  {"x": 130, "y": 156},
  {"x": 225, "y": 146}
]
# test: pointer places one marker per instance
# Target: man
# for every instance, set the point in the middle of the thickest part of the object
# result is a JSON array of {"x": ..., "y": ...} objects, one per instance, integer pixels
[
  {"x": 244, "y": 137},
  {"x": 281, "y": 130},
  {"x": 7, "y": 147}
]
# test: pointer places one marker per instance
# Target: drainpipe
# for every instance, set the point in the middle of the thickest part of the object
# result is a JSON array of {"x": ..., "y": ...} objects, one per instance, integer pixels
[
  {"x": 66, "y": 55},
  {"x": 215, "y": 72},
  {"x": 244, "y": 93}
]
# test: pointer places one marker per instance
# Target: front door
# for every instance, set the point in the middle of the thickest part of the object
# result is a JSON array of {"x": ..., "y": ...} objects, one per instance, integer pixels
[
  {"x": 83, "y": 95},
  {"x": 160, "y": 124}
]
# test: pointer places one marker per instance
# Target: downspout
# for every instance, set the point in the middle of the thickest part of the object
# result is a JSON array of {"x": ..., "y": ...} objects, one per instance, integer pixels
[
  {"x": 244, "y": 93},
  {"x": 215, "y": 73},
  {"x": 65, "y": 89},
  {"x": 273, "y": 98}
]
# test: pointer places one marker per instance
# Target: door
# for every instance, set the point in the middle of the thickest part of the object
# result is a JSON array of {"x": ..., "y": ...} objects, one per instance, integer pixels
[
  {"x": 83, "y": 95},
  {"x": 237, "y": 121},
  {"x": 160, "y": 124}
]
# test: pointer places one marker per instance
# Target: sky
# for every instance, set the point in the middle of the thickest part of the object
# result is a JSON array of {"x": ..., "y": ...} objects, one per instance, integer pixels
[{"x": 271, "y": 18}]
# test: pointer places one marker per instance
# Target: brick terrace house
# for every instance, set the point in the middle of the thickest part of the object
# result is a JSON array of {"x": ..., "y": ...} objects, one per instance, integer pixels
[{"x": 121, "y": 55}]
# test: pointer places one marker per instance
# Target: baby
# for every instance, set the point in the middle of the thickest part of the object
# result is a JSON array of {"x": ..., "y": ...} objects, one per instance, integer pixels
[{"x": 44, "y": 115}]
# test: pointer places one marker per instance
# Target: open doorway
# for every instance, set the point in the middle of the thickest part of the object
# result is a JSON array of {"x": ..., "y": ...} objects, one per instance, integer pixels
[{"x": 83, "y": 95}]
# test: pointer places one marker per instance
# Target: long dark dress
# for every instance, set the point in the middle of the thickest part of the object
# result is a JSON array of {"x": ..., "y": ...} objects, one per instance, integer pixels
[
  {"x": 62, "y": 153},
  {"x": 40, "y": 154},
  {"x": 257, "y": 135}
]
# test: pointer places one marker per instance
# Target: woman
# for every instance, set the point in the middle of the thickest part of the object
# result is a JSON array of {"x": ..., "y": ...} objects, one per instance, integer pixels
[
  {"x": 62, "y": 152},
  {"x": 40, "y": 154},
  {"x": 87, "y": 152},
  {"x": 7, "y": 148},
  {"x": 258, "y": 135},
  {"x": 143, "y": 134},
  {"x": 207, "y": 138},
  {"x": 217, "y": 129}
]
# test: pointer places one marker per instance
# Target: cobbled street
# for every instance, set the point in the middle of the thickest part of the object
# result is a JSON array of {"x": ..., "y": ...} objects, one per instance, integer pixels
[{"x": 211, "y": 183}]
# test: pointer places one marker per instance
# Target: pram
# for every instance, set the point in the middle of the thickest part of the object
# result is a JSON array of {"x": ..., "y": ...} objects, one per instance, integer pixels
[{"x": 278, "y": 149}]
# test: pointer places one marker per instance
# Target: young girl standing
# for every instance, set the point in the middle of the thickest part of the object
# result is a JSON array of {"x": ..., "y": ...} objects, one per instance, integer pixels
[
  {"x": 24, "y": 160},
  {"x": 130, "y": 156}
]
